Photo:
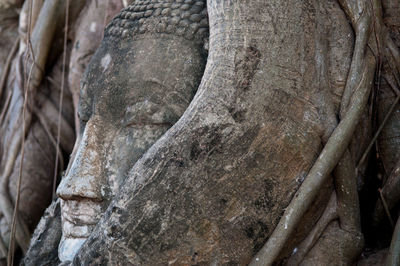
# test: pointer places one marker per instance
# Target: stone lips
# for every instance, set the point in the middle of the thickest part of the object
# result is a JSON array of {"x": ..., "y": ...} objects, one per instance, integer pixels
[{"x": 186, "y": 18}]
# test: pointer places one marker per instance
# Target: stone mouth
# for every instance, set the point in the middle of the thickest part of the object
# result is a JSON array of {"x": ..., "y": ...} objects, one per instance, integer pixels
[
  {"x": 71, "y": 230},
  {"x": 85, "y": 212},
  {"x": 79, "y": 218}
]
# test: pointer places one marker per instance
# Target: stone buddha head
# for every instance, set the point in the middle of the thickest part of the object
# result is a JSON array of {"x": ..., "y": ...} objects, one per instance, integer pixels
[{"x": 137, "y": 85}]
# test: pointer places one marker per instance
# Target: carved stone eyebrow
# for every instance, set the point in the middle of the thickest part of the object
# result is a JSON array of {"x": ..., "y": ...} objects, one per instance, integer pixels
[{"x": 148, "y": 89}]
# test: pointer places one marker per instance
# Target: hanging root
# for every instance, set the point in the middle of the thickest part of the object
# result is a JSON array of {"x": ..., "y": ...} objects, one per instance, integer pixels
[
  {"x": 330, "y": 214},
  {"x": 39, "y": 48},
  {"x": 61, "y": 99},
  {"x": 22, "y": 233},
  {"x": 356, "y": 95},
  {"x": 7, "y": 66},
  {"x": 15, "y": 219},
  {"x": 5, "y": 107},
  {"x": 46, "y": 128},
  {"x": 347, "y": 195},
  {"x": 42, "y": 37},
  {"x": 3, "y": 248},
  {"x": 344, "y": 206}
]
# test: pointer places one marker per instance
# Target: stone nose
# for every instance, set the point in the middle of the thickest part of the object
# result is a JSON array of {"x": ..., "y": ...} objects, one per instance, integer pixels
[{"x": 84, "y": 179}]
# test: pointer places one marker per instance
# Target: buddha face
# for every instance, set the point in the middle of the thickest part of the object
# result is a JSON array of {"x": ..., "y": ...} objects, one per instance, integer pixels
[{"x": 132, "y": 93}]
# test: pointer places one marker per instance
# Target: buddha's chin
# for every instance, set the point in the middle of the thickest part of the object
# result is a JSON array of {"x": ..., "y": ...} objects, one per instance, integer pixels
[{"x": 69, "y": 247}]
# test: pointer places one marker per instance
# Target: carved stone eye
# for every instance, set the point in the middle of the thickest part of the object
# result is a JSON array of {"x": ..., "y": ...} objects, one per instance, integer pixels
[{"x": 149, "y": 113}]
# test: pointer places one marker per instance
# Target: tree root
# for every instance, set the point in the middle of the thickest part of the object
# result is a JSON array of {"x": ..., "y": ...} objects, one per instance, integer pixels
[
  {"x": 335, "y": 147},
  {"x": 7, "y": 66},
  {"x": 362, "y": 30},
  {"x": 61, "y": 99},
  {"x": 46, "y": 128},
  {"x": 42, "y": 38},
  {"x": 16, "y": 221},
  {"x": 344, "y": 205},
  {"x": 330, "y": 214},
  {"x": 392, "y": 55},
  {"x": 36, "y": 7},
  {"x": 5, "y": 107},
  {"x": 22, "y": 233},
  {"x": 318, "y": 174},
  {"x": 3, "y": 248},
  {"x": 347, "y": 194},
  {"x": 49, "y": 113}
]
